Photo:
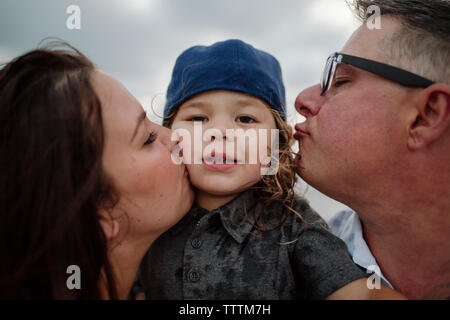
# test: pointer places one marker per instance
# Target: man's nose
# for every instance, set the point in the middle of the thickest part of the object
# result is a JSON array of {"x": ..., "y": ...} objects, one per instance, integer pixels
[{"x": 309, "y": 101}]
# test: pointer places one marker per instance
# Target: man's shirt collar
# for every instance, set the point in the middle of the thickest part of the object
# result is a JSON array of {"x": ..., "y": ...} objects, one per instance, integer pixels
[{"x": 346, "y": 225}]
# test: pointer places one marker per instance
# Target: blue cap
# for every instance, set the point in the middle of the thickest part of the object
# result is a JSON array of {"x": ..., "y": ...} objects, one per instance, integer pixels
[{"x": 229, "y": 65}]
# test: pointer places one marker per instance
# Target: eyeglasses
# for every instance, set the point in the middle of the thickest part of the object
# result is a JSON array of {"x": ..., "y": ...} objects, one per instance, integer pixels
[{"x": 392, "y": 73}]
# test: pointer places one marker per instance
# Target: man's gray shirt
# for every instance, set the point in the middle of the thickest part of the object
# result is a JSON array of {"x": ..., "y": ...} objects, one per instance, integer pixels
[{"x": 221, "y": 255}]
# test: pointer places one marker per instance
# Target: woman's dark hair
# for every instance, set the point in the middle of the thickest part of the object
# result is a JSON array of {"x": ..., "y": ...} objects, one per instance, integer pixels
[{"x": 51, "y": 179}]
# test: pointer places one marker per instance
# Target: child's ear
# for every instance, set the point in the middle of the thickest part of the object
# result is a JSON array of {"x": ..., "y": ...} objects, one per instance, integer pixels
[
  {"x": 109, "y": 225},
  {"x": 432, "y": 117}
]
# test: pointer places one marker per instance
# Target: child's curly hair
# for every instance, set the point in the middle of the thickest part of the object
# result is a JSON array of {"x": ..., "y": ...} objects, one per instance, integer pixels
[
  {"x": 271, "y": 189},
  {"x": 279, "y": 188}
]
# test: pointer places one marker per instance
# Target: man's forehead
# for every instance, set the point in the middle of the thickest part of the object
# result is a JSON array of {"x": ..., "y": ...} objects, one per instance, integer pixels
[
  {"x": 345, "y": 68},
  {"x": 367, "y": 43}
]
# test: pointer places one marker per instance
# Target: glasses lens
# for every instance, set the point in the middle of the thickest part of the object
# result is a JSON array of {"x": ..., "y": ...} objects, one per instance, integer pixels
[{"x": 325, "y": 78}]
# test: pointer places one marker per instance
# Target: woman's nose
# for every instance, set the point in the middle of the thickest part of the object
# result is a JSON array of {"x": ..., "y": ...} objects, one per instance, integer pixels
[
  {"x": 168, "y": 137},
  {"x": 309, "y": 101}
]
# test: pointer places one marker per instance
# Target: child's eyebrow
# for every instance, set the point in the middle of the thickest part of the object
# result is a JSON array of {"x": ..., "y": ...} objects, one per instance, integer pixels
[
  {"x": 250, "y": 105},
  {"x": 246, "y": 102},
  {"x": 195, "y": 104},
  {"x": 240, "y": 103}
]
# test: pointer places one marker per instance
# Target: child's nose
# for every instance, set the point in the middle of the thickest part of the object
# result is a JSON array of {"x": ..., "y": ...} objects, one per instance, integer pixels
[
  {"x": 214, "y": 134},
  {"x": 219, "y": 129}
]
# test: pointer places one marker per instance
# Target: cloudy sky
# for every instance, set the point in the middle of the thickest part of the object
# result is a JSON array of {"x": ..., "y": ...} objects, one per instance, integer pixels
[{"x": 137, "y": 41}]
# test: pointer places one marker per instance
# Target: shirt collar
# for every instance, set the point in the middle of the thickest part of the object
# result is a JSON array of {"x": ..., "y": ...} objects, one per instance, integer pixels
[
  {"x": 232, "y": 216},
  {"x": 237, "y": 217},
  {"x": 194, "y": 213},
  {"x": 346, "y": 225}
]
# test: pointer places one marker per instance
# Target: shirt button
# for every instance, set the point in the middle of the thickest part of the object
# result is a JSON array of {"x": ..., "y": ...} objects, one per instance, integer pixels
[
  {"x": 194, "y": 276},
  {"x": 196, "y": 243}
]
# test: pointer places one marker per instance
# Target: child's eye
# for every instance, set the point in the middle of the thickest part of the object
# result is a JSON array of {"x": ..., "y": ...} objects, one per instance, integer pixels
[
  {"x": 198, "y": 118},
  {"x": 151, "y": 138},
  {"x": 245, "y": 119}
]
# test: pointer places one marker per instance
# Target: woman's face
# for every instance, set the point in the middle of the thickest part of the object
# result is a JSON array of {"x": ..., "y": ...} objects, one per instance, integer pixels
[{"x": 154, "y": 193}]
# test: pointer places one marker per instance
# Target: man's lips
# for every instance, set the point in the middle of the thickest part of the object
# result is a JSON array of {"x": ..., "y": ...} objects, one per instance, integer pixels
[{"x": 300, "y": 131}]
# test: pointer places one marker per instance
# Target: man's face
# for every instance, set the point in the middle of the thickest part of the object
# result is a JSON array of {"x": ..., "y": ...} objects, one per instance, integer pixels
[{"x": 356, "y": 130}]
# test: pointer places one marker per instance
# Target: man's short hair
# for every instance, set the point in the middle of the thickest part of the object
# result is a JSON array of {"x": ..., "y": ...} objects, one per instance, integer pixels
[{"x": 422, "y": 43}]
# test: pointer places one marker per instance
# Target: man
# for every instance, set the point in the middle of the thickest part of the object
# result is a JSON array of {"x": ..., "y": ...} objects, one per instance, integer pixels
[{"x": 377, "y": 138}]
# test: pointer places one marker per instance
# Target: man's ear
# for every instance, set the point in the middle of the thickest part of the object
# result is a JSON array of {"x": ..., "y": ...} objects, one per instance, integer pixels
[
  {"x": 109, "y": 225},
  {"x": 432, "y": 116}
]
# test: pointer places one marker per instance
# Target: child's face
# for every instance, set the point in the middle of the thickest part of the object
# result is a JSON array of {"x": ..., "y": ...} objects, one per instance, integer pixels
[{"x": 221, "y": 110}]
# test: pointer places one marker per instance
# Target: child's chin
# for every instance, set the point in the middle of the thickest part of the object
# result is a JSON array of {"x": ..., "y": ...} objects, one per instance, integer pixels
[
  {"x": 222, "y": 189},
  {"x": 219, "y": 191}
]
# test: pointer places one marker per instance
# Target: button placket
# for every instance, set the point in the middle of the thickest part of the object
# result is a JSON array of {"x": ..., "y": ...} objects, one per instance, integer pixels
[
  {"x": 192, "y": 260},
  {"x": 196, "y": 243},
  {"x": 194, "y": 275}
]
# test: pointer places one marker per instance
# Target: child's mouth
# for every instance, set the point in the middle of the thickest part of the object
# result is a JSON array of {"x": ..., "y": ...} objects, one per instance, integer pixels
[{"x": 219, "y": 162}]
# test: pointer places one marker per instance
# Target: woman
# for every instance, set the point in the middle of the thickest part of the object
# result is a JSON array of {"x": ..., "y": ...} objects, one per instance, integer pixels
[{"x": 85, "y": 179}]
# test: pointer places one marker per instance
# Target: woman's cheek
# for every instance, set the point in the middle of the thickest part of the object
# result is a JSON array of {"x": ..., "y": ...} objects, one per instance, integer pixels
[
  {"x": 149, "y": 173},
  {"x": 166, "y": 172}
]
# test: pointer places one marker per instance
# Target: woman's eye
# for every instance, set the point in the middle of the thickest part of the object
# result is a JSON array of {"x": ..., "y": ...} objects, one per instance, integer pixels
[
  {"x": 151, "y": 138},
  {"x": 198, "y": 118},
  {"x": 245, "y": 119}
]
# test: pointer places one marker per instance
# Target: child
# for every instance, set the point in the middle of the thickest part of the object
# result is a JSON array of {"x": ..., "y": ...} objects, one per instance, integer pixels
[{"x": 248, "y": 236}]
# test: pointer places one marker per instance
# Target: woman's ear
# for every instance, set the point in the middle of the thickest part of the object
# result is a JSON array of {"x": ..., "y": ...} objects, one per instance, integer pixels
[
  {"x": 109, "y": 225},
  {"x": 432, "y": 116}
]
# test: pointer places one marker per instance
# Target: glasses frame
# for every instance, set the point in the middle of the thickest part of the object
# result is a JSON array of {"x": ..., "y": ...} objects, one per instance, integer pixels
[{"x": 386, "y": 71}]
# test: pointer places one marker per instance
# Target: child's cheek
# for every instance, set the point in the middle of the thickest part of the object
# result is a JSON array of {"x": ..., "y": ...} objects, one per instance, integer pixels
[
  {"x": 191, "y": 169},
  {"x": 191, "y": 145},
  {"x": 262, "y": 149}
]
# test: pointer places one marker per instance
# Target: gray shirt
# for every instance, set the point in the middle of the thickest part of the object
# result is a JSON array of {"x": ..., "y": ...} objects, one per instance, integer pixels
[{"x": 221, "y": 255}]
